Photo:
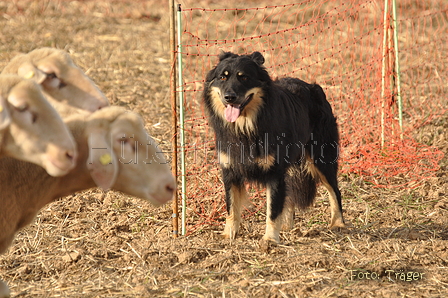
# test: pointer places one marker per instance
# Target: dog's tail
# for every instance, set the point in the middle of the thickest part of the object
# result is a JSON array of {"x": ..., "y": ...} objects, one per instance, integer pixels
[
  {"x": 302, "y": 186},
  {"x": 325, "y": 126}
]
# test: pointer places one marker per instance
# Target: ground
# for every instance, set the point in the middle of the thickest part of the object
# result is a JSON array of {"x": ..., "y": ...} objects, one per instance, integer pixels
[{"x": 105, "y": 244}]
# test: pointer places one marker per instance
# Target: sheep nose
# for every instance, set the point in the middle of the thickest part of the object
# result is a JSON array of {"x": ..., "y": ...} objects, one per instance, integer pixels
[
  {"x": 60, "y": 160},
  {"x": 103, "y": 104},
  {"x": 71, "y": 155},
  {"x": 167, "y": 189},
  {"x": 230, "y": 97},
  {"x": 95, "y": 104},
  {"x": 66, "y": 159},
  {"x": 170, "y": 188}
]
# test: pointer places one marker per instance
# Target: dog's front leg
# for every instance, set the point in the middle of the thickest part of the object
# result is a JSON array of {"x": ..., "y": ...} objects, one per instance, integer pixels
[
  {"x": 276, "y": 195},
  {"x": 235, "y": 196}
]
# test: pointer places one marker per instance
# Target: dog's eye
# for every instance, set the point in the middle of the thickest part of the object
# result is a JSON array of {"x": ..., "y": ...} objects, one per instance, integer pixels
[
  {"x": 242, "y": 77},
  {"x": 223, "y": 78}
]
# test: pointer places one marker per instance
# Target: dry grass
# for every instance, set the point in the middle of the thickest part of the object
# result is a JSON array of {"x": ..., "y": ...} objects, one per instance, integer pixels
[{"x": 96, "y": 244}]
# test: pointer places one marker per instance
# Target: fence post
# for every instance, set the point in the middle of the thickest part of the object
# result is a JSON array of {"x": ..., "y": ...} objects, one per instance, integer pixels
[
  {"x": 173, "y": 113},
  {"x": 182, "y": 118},
  {"x": 383, "y": 69},
  {"x": 397, "y": 81},
  {"x": 397, "y": 68}
]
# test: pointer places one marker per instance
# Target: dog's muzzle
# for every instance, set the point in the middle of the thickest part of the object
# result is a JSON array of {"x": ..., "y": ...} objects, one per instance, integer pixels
[{"x": 233, "y": 111}]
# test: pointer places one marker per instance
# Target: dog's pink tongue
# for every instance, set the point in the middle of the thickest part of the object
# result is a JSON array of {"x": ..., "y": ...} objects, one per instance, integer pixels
[{"x": 231, "y": 113}]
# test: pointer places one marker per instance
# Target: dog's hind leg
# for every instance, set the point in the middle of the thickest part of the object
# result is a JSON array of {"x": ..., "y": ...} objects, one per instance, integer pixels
[
  {"x": 301, "y": 191},
  {"x": 288, "y": 215},
  {"x": 337, "y": 220},
  {"x": 327, "y": 174},
  {"x": 236, "y": 195},
  {"x": 276, "y": 196}
]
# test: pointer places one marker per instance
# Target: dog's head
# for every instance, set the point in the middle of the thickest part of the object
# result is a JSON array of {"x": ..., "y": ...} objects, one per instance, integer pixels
[{"x": 235, "y": 85}]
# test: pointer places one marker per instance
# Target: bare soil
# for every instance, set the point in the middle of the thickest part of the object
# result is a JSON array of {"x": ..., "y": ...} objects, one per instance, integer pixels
[{"x": 97, "y": 244}]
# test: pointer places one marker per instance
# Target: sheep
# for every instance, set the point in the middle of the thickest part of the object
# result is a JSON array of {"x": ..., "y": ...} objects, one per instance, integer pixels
[
  {"x": 61, "y": 80},
  {"x": 111, "y": 145},
  {"x": 31, "y": 130},
  {"x": 115, "y": 152}
]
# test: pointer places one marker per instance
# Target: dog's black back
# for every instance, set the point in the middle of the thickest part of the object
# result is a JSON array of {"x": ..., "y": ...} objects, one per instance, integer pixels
[{"x": 281, "y": 134}]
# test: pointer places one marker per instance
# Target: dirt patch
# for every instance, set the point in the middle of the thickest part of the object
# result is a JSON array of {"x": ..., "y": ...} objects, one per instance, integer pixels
[{"x": 96, "y": 244}]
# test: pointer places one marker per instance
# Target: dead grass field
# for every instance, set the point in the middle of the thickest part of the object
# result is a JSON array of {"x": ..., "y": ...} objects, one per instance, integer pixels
[{"x": 96, "y": 244}]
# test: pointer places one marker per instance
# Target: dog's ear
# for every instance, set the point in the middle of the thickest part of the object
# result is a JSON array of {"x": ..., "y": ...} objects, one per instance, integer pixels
[
  {"x": 224, "y": 55},
  {"x": 257, "y": 57},
  {"x": 210, "y": 75}
]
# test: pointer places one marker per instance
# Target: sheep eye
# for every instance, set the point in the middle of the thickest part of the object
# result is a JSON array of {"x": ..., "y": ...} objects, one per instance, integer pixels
[
  {"x": 22, "y": 107},
  {"x": 62, "y": 85},
  {"x": 51, "y": 76}
]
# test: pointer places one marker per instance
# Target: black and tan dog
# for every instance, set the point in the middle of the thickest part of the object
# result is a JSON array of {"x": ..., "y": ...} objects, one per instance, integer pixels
[{"x": 280, "y": 134}]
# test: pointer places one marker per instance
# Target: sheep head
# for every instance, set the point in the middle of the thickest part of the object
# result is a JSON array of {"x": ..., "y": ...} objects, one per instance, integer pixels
[
  {"x": 123, "y": 157},
  {"x": 60, "y": 78},
  {"x": 31, "y": 129}
]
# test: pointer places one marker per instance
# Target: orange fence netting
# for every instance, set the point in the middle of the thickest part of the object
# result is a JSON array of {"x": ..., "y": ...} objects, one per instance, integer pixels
[{"x": 339, "y": 45}]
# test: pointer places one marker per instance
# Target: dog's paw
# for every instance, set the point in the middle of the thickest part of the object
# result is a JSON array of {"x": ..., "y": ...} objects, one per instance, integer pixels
[
  {"x": 230, "y": 231},
  {"x": 228, "y": 236},
  {"x": 337, "y": 223},
  {"x": 271, "y": 238},
  {"x": 287, "y": 226},
  {"x": 267, "y": 244}
]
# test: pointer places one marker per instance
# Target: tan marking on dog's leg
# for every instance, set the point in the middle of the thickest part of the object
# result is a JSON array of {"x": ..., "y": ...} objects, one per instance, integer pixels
[
  {"x": 288, "y": 215},
  {"x": 272, "y": 230},
  {"x": 233, "y": 220},
  {"x": 337, "y": 220},
  {"x": 272, "y": 227},
  {"x": 223, "y": 159},
  {"x": 266, "y": 162}
]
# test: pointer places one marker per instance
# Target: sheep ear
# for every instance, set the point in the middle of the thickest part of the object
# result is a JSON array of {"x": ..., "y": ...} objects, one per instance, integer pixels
[
  {"x": 28, "y": 71},
  {"x": 257, "y": 57},
  {"x": 5, "y": 118},
  {"x": 102, "y": 162}
]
